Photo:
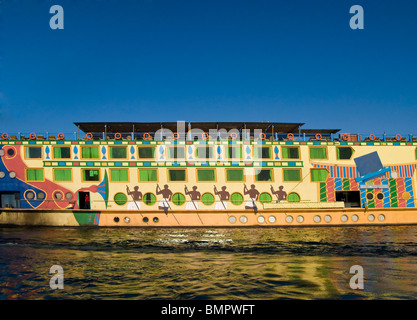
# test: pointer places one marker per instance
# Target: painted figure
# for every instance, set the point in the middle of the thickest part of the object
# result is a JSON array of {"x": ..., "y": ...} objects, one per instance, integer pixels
[
  {"x": 280, "y": 194},
  {"x": 224, "y": 196},
  {"x": 136, "y": 197},
  {"x": 166, "y": 197},
  {"x": 253, "y": 196},
  {"x": 195, "y": 197}
]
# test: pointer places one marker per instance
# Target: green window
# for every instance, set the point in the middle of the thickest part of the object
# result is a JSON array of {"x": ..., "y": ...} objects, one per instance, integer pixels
[
  {"x": 34, "y": 175},
  {"x": 264, "y": 175},
  {"x": 63, "y": 174},
  {"x": 34, "y": 152},
  {"x": 146, "y": 152},
  {"x": 62, "y": 152},
  {"x": 293, "y": 197},
  {"x": 204, "y": 152},
  {"x": 146, "y": 175},
  {"x": 206, "y": 175},
  {"x": 118, "y": 175},
  {"x": 207, "y": 198},
  {"x": 149, "y": 198},
  {"x": 234, "y": 175},
  {"x": 178, "y": 198},
  {"x": 319, "y": 174},
  {"x": 89, "y": 152},
  {"x": 176, "y": 152},
  {"x": 91, "y": 175},
  {"x": 344, "y": 153},
  {"x": 118, "y": 152},
  {"x": 265, "y": 197},
  {"x": 236, "y": 198},
  {"x": 318, "y": 153},
  {"x": 290, "y": 153},
  {"x": 234, "y": 152},
  {"x": 120, "y": 198},
  {"x": 176, "y": 175},
  {"x": 292, "y": 174},
  {"x": 263, "y": 152}
]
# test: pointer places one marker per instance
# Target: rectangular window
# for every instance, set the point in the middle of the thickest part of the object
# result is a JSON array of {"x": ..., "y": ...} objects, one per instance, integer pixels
[
  {"x": 204, "y": 152},
  {"x": 263, "y": 152},
  {"x": 176, "y": 153},
  {"x": 319, "y": 174},
  {"x": 89, "y": 152},
  {"x": 292, "y": 174},
  {"x": 344, "y": 153},
  {"x": 62, "y": 152},
  {"x": 62, "y": 174},
  {"x": 33, "y": 152},
  {"x": 290, "y": 153},
  {"x": 318, "y": 153},
  {"x": 118, "y": 152},
  {"x": 119, "y": 175},
  {"x": 264, "y": 175},
  {"x": 34, "y": 174},
  {"x": 146, "y": 152},
  {"x": 146, "y": 175},
  {"x": 235, "y": 175},
  {"x": 206, "y": 175},
  {"x": 234, "y": 152},
  {"x": 91, "y": 175},
  {"x": 177, "y": 175}
]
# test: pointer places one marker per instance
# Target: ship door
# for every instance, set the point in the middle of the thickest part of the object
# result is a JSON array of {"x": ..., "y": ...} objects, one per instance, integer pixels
[
  {"x": 9, "y": 199},
  {"x": 84, "y": 200},
  {"x": 352, "y": 199}
]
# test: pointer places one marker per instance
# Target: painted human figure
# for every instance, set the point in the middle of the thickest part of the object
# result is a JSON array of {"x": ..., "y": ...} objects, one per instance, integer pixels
[
  {"x": 253, "y": 196},
  {"x": 136, "y": 196},
  {"x": 224, "y": 197},
  {"x": 281, "y": 194},
  {"x": 195, "y": 197},
  {"x": 166, "y": 197}
]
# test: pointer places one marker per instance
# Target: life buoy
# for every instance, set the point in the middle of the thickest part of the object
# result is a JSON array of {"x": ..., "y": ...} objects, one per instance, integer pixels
[
  {"x": 32, "y": 135},
  {"x": 345, "y": 136},
  {"x": 146, "y": 136},
  {"x": 318, "y": 136},
  {"x": 290, "y": 136},
  {"x": 398, "y": 137},
  {"x": 89, "y": 136},
  {"x": 61, "y": 136},
  {"x": 5, "y": 136},
  {"x": 233, "y": 135},
  {"x": 205, "y": 135},
  {"x": 117, "y": 136},
  {"x": 372, "y": 137},
  {"x": 262, "y": 136},
  {"x": 175, "y": 135}
]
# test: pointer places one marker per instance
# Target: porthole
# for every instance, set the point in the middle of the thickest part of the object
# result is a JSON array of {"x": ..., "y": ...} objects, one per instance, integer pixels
[
  {"x": 261, "y": 219},
  {"x": 317, "y": 219},
  {"x": 380, "y": 196},
  {"x": 30, "y": 195},
  {"x": 58, "y": 195},
  {"x": 300, "y": 219},
  {"x": 272, "y": 219},
  {"x": 344, "y": 218},
  {"x": 120, "y": 198},
  {"x": 68, "y": 195},
  {"x": 126, "y": 219},
  {"x": 40, "y": 195},
  {"x": 369, "y": 196},
  {"x": 116, "y": 219},
  {"x": 149, "y": 198},
  {"x": 236, "y": 198},
  {"x": 145, "y": 219},
  {"x": 12, "y": 174},
  {"x": 243, "y": 219},
  {"x": 381, "y": 217},
  {"x": 289, "y": 219},
  {"x": 1, "y": 152},
  {"x": 207, "y": 199},
  {"x": 327, "y": 218},
  {"x": 2, "y": 174},
  {"x": 371, "y": 217},
  {"x": 155, "y": 219},
  {"x": 355, "y": 218},
  {"x": 178, "y": 199},
  {"x": 10, "y": 152},
  {"x": 232, "y": 219}
]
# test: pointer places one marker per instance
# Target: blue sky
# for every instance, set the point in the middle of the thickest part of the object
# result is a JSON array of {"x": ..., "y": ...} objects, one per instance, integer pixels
[{"x": 209, "y": 60}]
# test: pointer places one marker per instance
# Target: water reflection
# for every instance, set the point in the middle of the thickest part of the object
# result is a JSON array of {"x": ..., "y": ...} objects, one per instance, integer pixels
[{"x": 287, "y": 263}]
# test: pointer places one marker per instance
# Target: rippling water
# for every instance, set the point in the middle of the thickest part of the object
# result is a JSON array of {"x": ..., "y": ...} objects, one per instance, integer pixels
[{"x": 254, "y": 263}]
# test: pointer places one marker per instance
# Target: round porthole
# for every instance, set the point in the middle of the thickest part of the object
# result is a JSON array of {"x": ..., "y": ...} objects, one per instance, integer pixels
[
  {"x": 126, "y": 219},
  {"x": 300, "y": 219},
  {"x": 344, "y": 218},
  {"x": 40, "y": 195},
  {"x": 289, "y": 219},
  {"x": 381, "y": 217},
  {"x": 116, "y": 219},
  {"x": 155, "y": 219},
  {"x": 261, "y": 219},
  {"x": 355, "y": 218},
  {"x": 1, "y": 152},
  {"x": 145, "y": 219},
  {"x": 371, "y": 217},
  {"x": 58, "y": 195},
  {"x": 30, "y": 195},
  {"x": 243, "y": 219},
  {"x": 272, "y": 219},
  {"x": 380, "y": 196},
  {"x": 317, "y": 219},
  {"x": 369, "y": 196},
  {"x": 327, "y": 218},
  {"x": 68, "y": 195},
  {"x": 2, "y": 174},
  {"x": 10, "y": 152},
  {"x": 12, "y": 174},
  {"x": 232, "y": 219}
]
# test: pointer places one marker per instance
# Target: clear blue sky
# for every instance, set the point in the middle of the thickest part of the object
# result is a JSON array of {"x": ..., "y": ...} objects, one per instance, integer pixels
[{"x": 209, "y": 60}]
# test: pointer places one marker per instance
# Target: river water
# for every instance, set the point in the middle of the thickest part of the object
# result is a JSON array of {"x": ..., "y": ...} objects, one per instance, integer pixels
[{"x": 213, "y": 264}]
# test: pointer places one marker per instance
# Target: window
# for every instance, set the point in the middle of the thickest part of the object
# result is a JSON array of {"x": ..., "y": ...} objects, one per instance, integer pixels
[
  {"x": 235, "y": 175},
  {"x": 62, "y": 174},
  {"x": 318, "y": 153},
  {"x": 265, "y": 197},
  {"x": 344, "y": 153},
  {"x": 263, "y": 175},
  {"x": 118, "y": 152},
  {"x": 34, "y": 174},
  {"x": 119, "y": 175},
  {"x": 62, "y": 152},
  {"x": 176, "y": 175},
  {"x": 149, "y": 198},
  {"x": 206, "y": 175},
  {"x": 293, "y": 197},
  {"x": 91, "y": 175},
  {"x": 120, "y": 198},
  {"x": 33, "y": 152},
  {"x": 207, "y": 198},
  {"x": 176, "y": 152},
  {"x": 146, "y": 152},
  {"x": 234, "y": 152},
  {"x": 319, "y": 175},
  {"x": 290, "y": 153},
  {"x": 204, "y": 152},
  {"x": 146, "y": 175},
  {"x": 263, "y": 152},
  {"x": 89, "y": 152},
  {"x": 292, "y": 174},
  {"x": 236, "y": 198},
  {"x": 178, "y": 199}
]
